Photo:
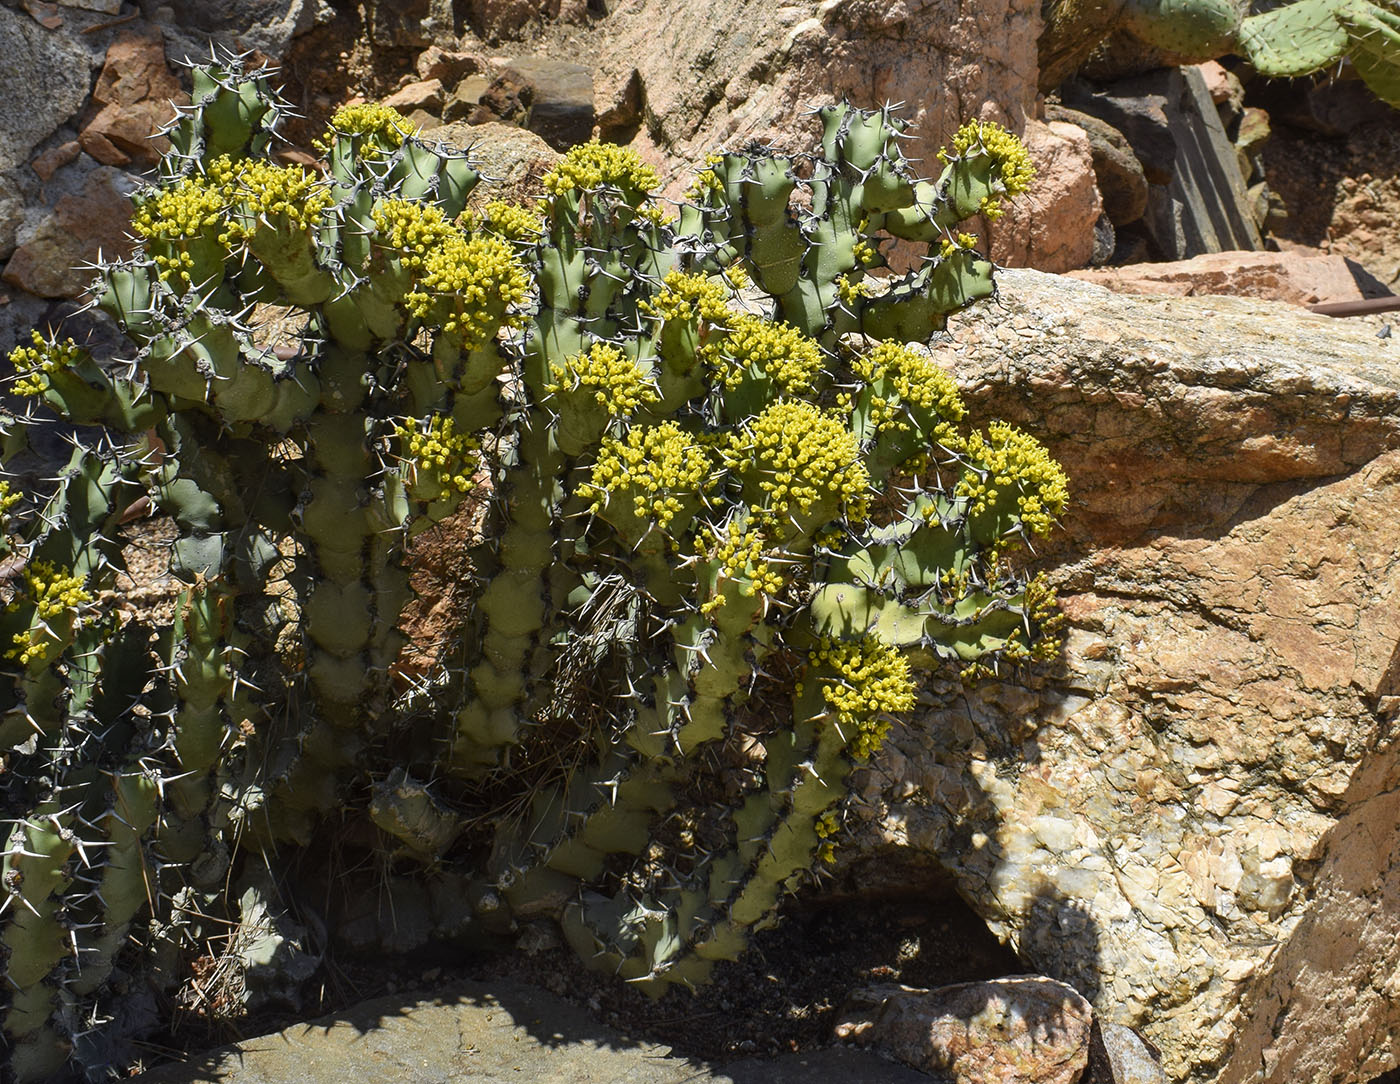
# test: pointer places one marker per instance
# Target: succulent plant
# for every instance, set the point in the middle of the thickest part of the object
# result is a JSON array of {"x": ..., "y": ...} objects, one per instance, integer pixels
[
  {"x": 1309, "y": 35},
  {"x": 727, "y": 506},
  {"x": 1286, "y": 40},
  {"x": 1187, "y": 28}
]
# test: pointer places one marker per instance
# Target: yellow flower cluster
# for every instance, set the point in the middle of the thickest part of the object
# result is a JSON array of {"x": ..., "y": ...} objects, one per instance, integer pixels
[
  {"x": 7, "y": 499},
  {"x": 1042, "y": 606},
  {"x": 387, "y": 125},
  {"x": 872, "y": 678},
  {"x": 617, "y": 382},
  {"x": 511, "y": 221},
  {"x": 707, "y": 180},
  {"x": 800, "y": 454},
  {"x": 180, "y": 214},
  {"x": 278, "y": 194},
  {"x": 1007, "y": 457},
  {"x": 53, "y": 594},
  {"x": 483, "y": 279},
  {"x": 414, "y": 228},
  {"x": 687, "y": 297},
  {"x": 752, "y": 345},
  {"x": 740, "y": 554},
  {"x": 33, "y": 364},
  {"x": 593, "y": 165},
  {"x": 827, "y": 825},
  {"x": 1012, "y": 160},
  {"x": 250, "y": 189},
  {"x": 656, "y": 465},
  {"x": 851, "y": 290},
  {"x": 479, "y": 276},
  {"x": 951, "y": 246},
  {"x": 864, "y": 252},
  {"x": 655, "y": 213},
  {"x": 916, "y": 382},
  {"x": 436, "y": 451}
]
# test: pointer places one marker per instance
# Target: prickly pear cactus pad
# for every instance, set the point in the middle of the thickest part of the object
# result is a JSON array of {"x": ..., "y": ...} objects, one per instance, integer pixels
[
  {"x": 1308, "y": 35},
  {"x": 730, "y": 511}
]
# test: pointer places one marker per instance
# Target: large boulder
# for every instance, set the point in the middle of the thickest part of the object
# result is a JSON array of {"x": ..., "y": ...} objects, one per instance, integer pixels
[
  {"x": 44, "y": 79},
  {"x": 682, "y": 83},
  {"x": 265, "y": 25},
  {"x": 1195, "y": 818},
  {"x": 750, "y": 71}
]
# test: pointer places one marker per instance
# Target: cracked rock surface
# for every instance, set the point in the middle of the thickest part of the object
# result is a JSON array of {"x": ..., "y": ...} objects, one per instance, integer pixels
[{"x": 1195, "y": 818}]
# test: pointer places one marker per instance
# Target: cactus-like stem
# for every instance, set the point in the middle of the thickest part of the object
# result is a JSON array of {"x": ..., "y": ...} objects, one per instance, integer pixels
[{"x": 699, "y": 458}]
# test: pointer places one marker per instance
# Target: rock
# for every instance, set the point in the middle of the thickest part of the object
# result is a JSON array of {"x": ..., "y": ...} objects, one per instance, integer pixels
[
  {"x": 620, "y": 122},
  {"x": 1052, "y": 226},
  {"x": 1197, "y": 198},
  {"x": 45, "y": 80},
  {"x": 1117, "y": 172},
  {"x": 467, "y": 95},
  {"x": 55, "y": 158},
  {"x": 1020, "y": 1030},
  {"x": 1105, "y": 241},
  {"x": 1195, "y": 818},
  {"x": 493, "y": 1031},
  {"x": 748, "y": 71},
  {"x": 513, "y": 159},
  {"x": 449, "y": 67},
  {"x": 1139, "y": 114},
  {"x": 106, "y": 7},
  {"x": 11, "y": 215},
  {"x": 1129, "y": 1059},
  {"x": 92, "y": 219},
  {"x": 1070, "y": 34},
  {"x": 1298, "y": 277},
  {"x": 506, "y": 100},
  {"x": 495, "y": 21},
  {"x": 1223, "y": 86},
  {"x": 553, "y": 98},
  {"x": 21, "y": 313},
  {"x": 44, "y": 13},
  {"x": 267, "y": 26},
  {"x": 426, "y": 94},
  {"x": 411, "y": 24},
  {"x": 1253, "y": 131},
  {"x": 1336, "y": 107},
  {"x": 134, "y": 96}
]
